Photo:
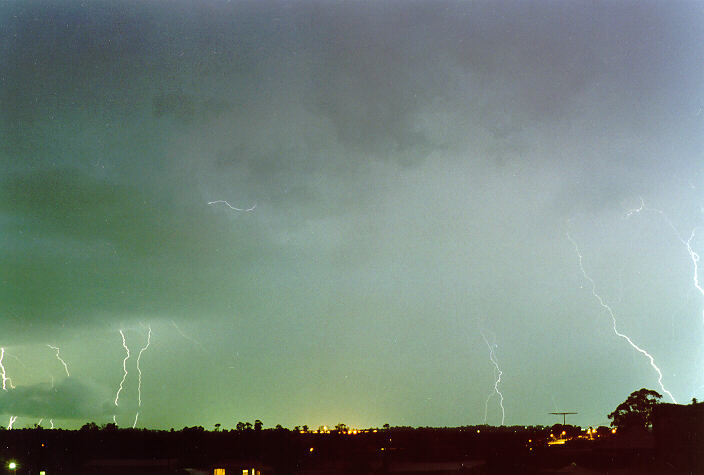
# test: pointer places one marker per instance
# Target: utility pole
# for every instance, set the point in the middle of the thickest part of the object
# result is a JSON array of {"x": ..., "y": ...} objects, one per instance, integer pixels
[{"x": 564, "y": 415}]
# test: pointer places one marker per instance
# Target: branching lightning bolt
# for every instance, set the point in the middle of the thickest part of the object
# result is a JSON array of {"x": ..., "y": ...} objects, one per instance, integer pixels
[
  {"x": 12, "y": 421},
  {"x": 124, "y": 367},
  {"x": 498, "y": 373},
  {"x": 606, "y": 307},
  {"x": 232, "y": 207},
  {"x": 5, "y": 379},
  {"x": 58, "y": 357}
]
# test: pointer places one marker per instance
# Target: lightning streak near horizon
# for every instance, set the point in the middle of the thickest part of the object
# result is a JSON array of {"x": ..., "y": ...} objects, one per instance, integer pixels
[
  {"x": 606, "y": 307},
  {"x": 497, "y": 373},
  {"x": 12, "y": 422},
  {"x": 486, "y": 403},
  {"x": 124, "y": 367},
  {"x": 230, "y": 206},
  {"x": 139, "y": 374},
  {"x": 58, "y": 357}
]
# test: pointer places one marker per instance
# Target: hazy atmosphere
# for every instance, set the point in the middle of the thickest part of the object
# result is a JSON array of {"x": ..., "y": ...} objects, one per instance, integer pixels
[{"x": 409, "y": 180}]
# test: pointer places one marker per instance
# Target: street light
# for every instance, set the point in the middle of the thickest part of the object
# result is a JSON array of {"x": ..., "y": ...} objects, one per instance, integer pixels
[{"x": 12, "y": 466}]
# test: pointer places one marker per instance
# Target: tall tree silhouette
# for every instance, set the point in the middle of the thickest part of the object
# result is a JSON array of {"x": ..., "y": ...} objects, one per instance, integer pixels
[{"x": 636, "y": 412}]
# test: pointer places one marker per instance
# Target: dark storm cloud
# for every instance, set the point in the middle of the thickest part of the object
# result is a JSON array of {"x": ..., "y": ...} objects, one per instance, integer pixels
[{"x": 68, "y": 399}]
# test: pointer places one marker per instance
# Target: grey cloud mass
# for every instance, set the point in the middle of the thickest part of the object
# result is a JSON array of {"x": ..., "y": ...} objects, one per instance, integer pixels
[{"x": 415, "y": 167}]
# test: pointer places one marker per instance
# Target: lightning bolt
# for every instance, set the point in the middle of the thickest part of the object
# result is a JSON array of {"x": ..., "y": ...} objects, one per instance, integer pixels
[
  {"x": 58, "y": 357},
  {"x": 12, "y": 421},
  {"x": 606, "y": 307},
  {"x": 230, "y": 206},
  {"x": 136, "y": 416},
  {"x": 5, "y": 379},
  {"x": 124, "y": 367},
  {"x": 693, "y": 255},
  {"x": 139, "y": 371},
  {"x": 497, "y": 373},
  {"x": 51, "y": 421},
  {"x": 695, "y": 262}
]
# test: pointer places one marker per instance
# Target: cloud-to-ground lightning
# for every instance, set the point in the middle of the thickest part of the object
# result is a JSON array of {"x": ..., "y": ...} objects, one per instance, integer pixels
[
  {"x": 497, "y": 373},
  {"x": 608, "y": 309},
  {"x": 58, "y": 357},
  {"x": 124, "y": 368},
  {"x": 232, "y": 207},
  {"x": 688, "y": 244},
  {"x": 139, "y": 374},
  {"x": 5, "y": 379},
  {"x": 139, "y": 370},
  {"x": 12, "y": 421}
]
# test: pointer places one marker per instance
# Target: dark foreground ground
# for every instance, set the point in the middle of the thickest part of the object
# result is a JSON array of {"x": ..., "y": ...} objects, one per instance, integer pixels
[{"x": 476, "y": 450}]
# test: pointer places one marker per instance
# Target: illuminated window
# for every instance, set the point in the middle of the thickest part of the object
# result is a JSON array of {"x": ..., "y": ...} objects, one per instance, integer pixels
[
  {"x": 219, "y": 471},
  {"x": 245, "y": 472}
]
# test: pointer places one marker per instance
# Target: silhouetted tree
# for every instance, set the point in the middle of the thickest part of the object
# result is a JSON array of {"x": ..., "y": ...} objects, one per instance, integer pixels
[
  {"x": 258, "y": 425},
  {"x": 90, "y": 426},
  {"x": 636, "y": 412}
]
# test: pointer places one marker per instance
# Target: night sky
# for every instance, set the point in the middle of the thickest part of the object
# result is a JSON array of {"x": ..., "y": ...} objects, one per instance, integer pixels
[{"x": 419, "y": 174}]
